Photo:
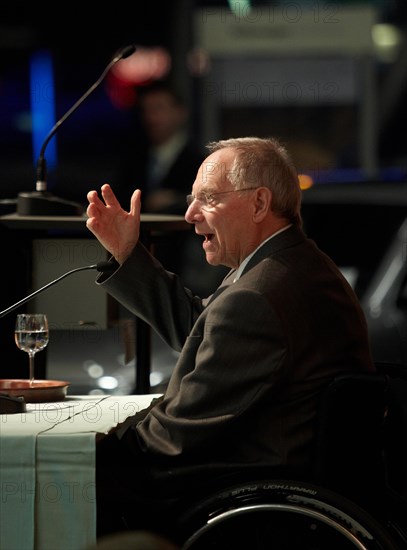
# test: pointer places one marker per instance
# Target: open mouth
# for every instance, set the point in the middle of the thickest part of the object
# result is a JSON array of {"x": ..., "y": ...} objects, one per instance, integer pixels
[{"x": 208, "y": 236}]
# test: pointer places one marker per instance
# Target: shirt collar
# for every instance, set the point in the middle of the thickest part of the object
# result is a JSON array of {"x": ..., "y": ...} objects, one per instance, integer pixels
[
  {"x": 170, "y": 149},
  {"x": 241, "y": 267}
]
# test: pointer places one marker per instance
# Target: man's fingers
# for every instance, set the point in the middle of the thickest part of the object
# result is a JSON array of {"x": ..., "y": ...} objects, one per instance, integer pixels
[
  {"x": 109, "y": 197},
  {"x": 135, "y": 203},
  {"x": 91, "y": 224},
  {"x": 94, "y": 200},
  {"x": 92, "y": 195}
]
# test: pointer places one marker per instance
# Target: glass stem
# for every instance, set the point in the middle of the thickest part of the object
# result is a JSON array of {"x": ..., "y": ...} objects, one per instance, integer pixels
[{"x": 31, "y": 357}]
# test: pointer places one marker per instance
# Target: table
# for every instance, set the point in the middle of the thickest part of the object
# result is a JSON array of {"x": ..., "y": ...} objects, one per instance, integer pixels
[
  {"x": 47, "y": 470},
  {"x": 150, "y": 223},
  {"x": 151, "y": 226}
]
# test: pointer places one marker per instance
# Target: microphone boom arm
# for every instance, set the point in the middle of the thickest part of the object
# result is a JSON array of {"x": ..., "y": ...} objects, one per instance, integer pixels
[
  {"x": 101, "y": 266},
  {"x": 40, "y": 202},
  {"x": 41, "y": 163}
]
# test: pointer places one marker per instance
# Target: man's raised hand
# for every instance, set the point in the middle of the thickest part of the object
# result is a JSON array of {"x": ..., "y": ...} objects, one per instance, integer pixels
[{"x": 117, "y": 231}]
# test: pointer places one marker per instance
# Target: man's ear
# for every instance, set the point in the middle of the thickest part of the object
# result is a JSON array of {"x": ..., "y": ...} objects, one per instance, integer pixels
[{"x": 262, "y": 202}]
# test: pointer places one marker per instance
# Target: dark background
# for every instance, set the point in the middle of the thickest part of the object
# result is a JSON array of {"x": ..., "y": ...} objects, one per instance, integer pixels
[
  {"x": 82, "y": 42},
  {"x": 90, "y": 144}
]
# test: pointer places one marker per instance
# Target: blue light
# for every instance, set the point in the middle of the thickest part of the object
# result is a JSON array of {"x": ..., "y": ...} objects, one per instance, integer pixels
[{"x": 42, "y": 105}]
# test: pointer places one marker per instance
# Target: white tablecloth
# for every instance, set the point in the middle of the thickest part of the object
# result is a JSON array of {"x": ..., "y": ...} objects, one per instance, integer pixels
[{"x": 47, "y": 470}]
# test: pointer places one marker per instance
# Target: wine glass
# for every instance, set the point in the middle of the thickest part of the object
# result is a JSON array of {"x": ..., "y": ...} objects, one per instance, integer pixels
[{"x": 31, "y": 335}]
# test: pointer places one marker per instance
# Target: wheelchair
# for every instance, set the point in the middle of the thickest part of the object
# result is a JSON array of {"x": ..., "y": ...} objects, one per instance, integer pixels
[
  {"x": 282, "y": 515},
  {"x": 353, "y": 497}
]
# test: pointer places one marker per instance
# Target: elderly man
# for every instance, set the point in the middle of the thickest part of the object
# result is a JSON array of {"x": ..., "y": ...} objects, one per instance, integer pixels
[{"x": 255, "y": 355}]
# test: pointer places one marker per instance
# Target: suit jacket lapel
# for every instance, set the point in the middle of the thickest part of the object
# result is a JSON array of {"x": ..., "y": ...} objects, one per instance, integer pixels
[
  {"x": 290, "y": 237},
  {"x": 227, "y": 281}
]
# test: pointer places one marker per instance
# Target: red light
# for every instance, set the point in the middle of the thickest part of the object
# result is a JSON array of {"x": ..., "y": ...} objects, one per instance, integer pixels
[{"x": 143, "y": 65}]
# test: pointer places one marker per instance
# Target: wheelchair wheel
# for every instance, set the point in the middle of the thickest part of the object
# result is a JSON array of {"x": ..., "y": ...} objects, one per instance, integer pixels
[{"x": 281, "y": 515}]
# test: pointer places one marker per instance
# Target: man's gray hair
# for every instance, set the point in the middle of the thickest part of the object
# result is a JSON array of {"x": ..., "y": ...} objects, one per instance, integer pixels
[{"x": 265, "y": 162}]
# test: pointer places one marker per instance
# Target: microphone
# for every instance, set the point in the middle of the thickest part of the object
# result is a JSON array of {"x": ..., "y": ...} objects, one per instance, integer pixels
[
  {"x": 40, "y": 202},
  {"x": 103, "y": 267}
]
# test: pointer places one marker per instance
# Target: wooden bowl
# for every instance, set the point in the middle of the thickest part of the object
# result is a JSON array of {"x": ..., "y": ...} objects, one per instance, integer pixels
[{"x": 41, "y": 391}]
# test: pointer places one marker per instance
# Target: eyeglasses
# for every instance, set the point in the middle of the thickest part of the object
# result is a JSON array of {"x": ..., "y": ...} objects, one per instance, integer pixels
[{"x": 209, "y": 199}]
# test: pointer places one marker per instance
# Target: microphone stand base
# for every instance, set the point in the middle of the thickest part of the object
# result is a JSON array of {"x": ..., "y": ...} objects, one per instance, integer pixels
[{"x": 42, "y": 203}]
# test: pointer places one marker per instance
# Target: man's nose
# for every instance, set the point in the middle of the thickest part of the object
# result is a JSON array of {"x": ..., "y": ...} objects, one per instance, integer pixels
[{"x": 194, "y": 212}]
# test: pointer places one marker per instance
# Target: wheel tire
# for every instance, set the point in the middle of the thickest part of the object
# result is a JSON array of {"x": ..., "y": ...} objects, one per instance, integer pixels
[{"x": 282, "y": 515}]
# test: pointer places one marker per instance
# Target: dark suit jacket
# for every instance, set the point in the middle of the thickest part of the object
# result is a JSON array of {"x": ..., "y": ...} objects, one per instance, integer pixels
[{"x": 253, "y": 356}]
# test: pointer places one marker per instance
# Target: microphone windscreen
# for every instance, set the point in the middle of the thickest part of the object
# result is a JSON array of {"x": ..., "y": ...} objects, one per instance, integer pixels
[
  {"x": 106, "y": 267},
  {"x": 127, "y": 51}
]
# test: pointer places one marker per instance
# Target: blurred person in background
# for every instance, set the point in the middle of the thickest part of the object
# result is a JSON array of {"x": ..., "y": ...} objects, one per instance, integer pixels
[{"x": 162, "y": 159}]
